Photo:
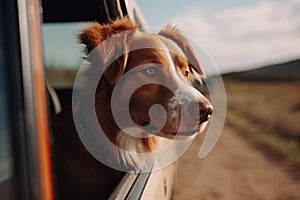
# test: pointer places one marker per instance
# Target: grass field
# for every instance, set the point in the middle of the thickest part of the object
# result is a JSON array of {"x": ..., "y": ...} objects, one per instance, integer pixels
[
  {"x": 61, "y": 78},
  {"x": 268, "y": 111}
]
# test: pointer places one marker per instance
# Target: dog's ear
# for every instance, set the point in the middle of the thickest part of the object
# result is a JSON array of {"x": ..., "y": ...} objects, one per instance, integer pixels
[
  {"x": 173, "y": 34},
  {"x": 116, "y": 36}
]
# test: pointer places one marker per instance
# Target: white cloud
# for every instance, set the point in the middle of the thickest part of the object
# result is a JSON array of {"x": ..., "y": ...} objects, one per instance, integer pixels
[{"x": 241, "y": 37}]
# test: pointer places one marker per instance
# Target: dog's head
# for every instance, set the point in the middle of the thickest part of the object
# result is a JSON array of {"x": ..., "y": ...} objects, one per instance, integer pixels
[{"x": 165, "y": 70}]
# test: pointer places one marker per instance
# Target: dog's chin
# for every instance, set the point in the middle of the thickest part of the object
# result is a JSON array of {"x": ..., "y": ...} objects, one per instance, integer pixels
[
  {"x": 179, "y": 135},
  {"x": 184, "y": 134}
]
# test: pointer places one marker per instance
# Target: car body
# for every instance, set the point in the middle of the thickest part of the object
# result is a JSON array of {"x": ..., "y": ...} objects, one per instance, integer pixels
[{"x": 29, "y": 99}]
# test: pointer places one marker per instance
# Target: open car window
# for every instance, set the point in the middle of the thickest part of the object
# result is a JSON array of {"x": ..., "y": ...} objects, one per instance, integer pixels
[
  {"x": 62, "y": 52},
  {"x": 63, "y": 56}
]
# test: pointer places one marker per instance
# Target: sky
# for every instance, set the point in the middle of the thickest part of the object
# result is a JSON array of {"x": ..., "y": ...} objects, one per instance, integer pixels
[{"x": 238, "y": 35}]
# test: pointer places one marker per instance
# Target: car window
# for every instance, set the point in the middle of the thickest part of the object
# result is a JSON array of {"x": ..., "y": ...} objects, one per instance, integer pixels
[
  {"x": 6, "y": 161},
  {"x": 62, "y": 52}
]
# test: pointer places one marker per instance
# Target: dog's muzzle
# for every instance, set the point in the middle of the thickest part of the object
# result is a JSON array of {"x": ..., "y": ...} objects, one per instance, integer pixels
[{"x": 199, "y": 111}]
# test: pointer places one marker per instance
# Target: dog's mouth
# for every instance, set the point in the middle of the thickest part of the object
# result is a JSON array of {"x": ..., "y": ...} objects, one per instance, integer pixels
[
  {"x": 187, "y": 133},
  {"x": 182, "y": 135},
  {"x": 150, "y": 128}
]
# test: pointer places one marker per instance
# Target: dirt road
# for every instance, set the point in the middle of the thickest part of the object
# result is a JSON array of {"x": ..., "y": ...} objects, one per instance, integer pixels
[{"x": 234, "y": 170}]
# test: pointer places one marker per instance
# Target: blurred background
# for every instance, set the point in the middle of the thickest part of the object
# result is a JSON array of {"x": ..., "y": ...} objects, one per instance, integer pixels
[{"x": 256, "y": 46}]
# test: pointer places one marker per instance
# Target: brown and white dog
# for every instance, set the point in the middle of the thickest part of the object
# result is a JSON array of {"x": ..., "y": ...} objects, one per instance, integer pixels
[{"x": 167, "y": 58}]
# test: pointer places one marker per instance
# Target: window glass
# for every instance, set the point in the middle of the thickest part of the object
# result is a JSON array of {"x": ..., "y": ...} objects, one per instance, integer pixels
[
  {"x": 5, "y": 160},
  {"x": 6, "y": 167},
  {"x": 62, "y": 52}
]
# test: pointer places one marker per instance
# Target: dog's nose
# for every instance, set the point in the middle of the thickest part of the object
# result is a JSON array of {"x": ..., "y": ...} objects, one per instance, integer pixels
[
  {"x": 205, "y": 111},
  {"x": 200, "y": 111}
]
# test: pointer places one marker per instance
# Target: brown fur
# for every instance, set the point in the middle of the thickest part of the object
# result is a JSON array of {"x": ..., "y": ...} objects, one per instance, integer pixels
[{"x": 79, "y": 174}]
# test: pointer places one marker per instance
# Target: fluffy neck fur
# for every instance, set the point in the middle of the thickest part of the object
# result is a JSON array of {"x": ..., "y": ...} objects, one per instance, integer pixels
[{"x": 133, "y": 152}]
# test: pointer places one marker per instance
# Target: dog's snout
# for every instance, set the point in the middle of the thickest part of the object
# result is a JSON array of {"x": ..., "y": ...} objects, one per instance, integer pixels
[
  {"x": 205, "y": 111},
  {"x": 200, "y": 111}
]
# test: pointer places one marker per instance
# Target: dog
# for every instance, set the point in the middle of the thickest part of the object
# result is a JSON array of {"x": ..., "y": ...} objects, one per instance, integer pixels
[{"x": 166, "y": 58}]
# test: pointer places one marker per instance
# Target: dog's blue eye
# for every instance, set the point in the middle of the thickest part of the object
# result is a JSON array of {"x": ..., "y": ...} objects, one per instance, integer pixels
[{"x": 150, "y": 71}]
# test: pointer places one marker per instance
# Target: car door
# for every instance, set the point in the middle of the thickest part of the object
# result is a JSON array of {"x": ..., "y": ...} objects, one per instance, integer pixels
[
  {"x": 59, "y": 16},
  {"x": 28, "y": 101}
]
